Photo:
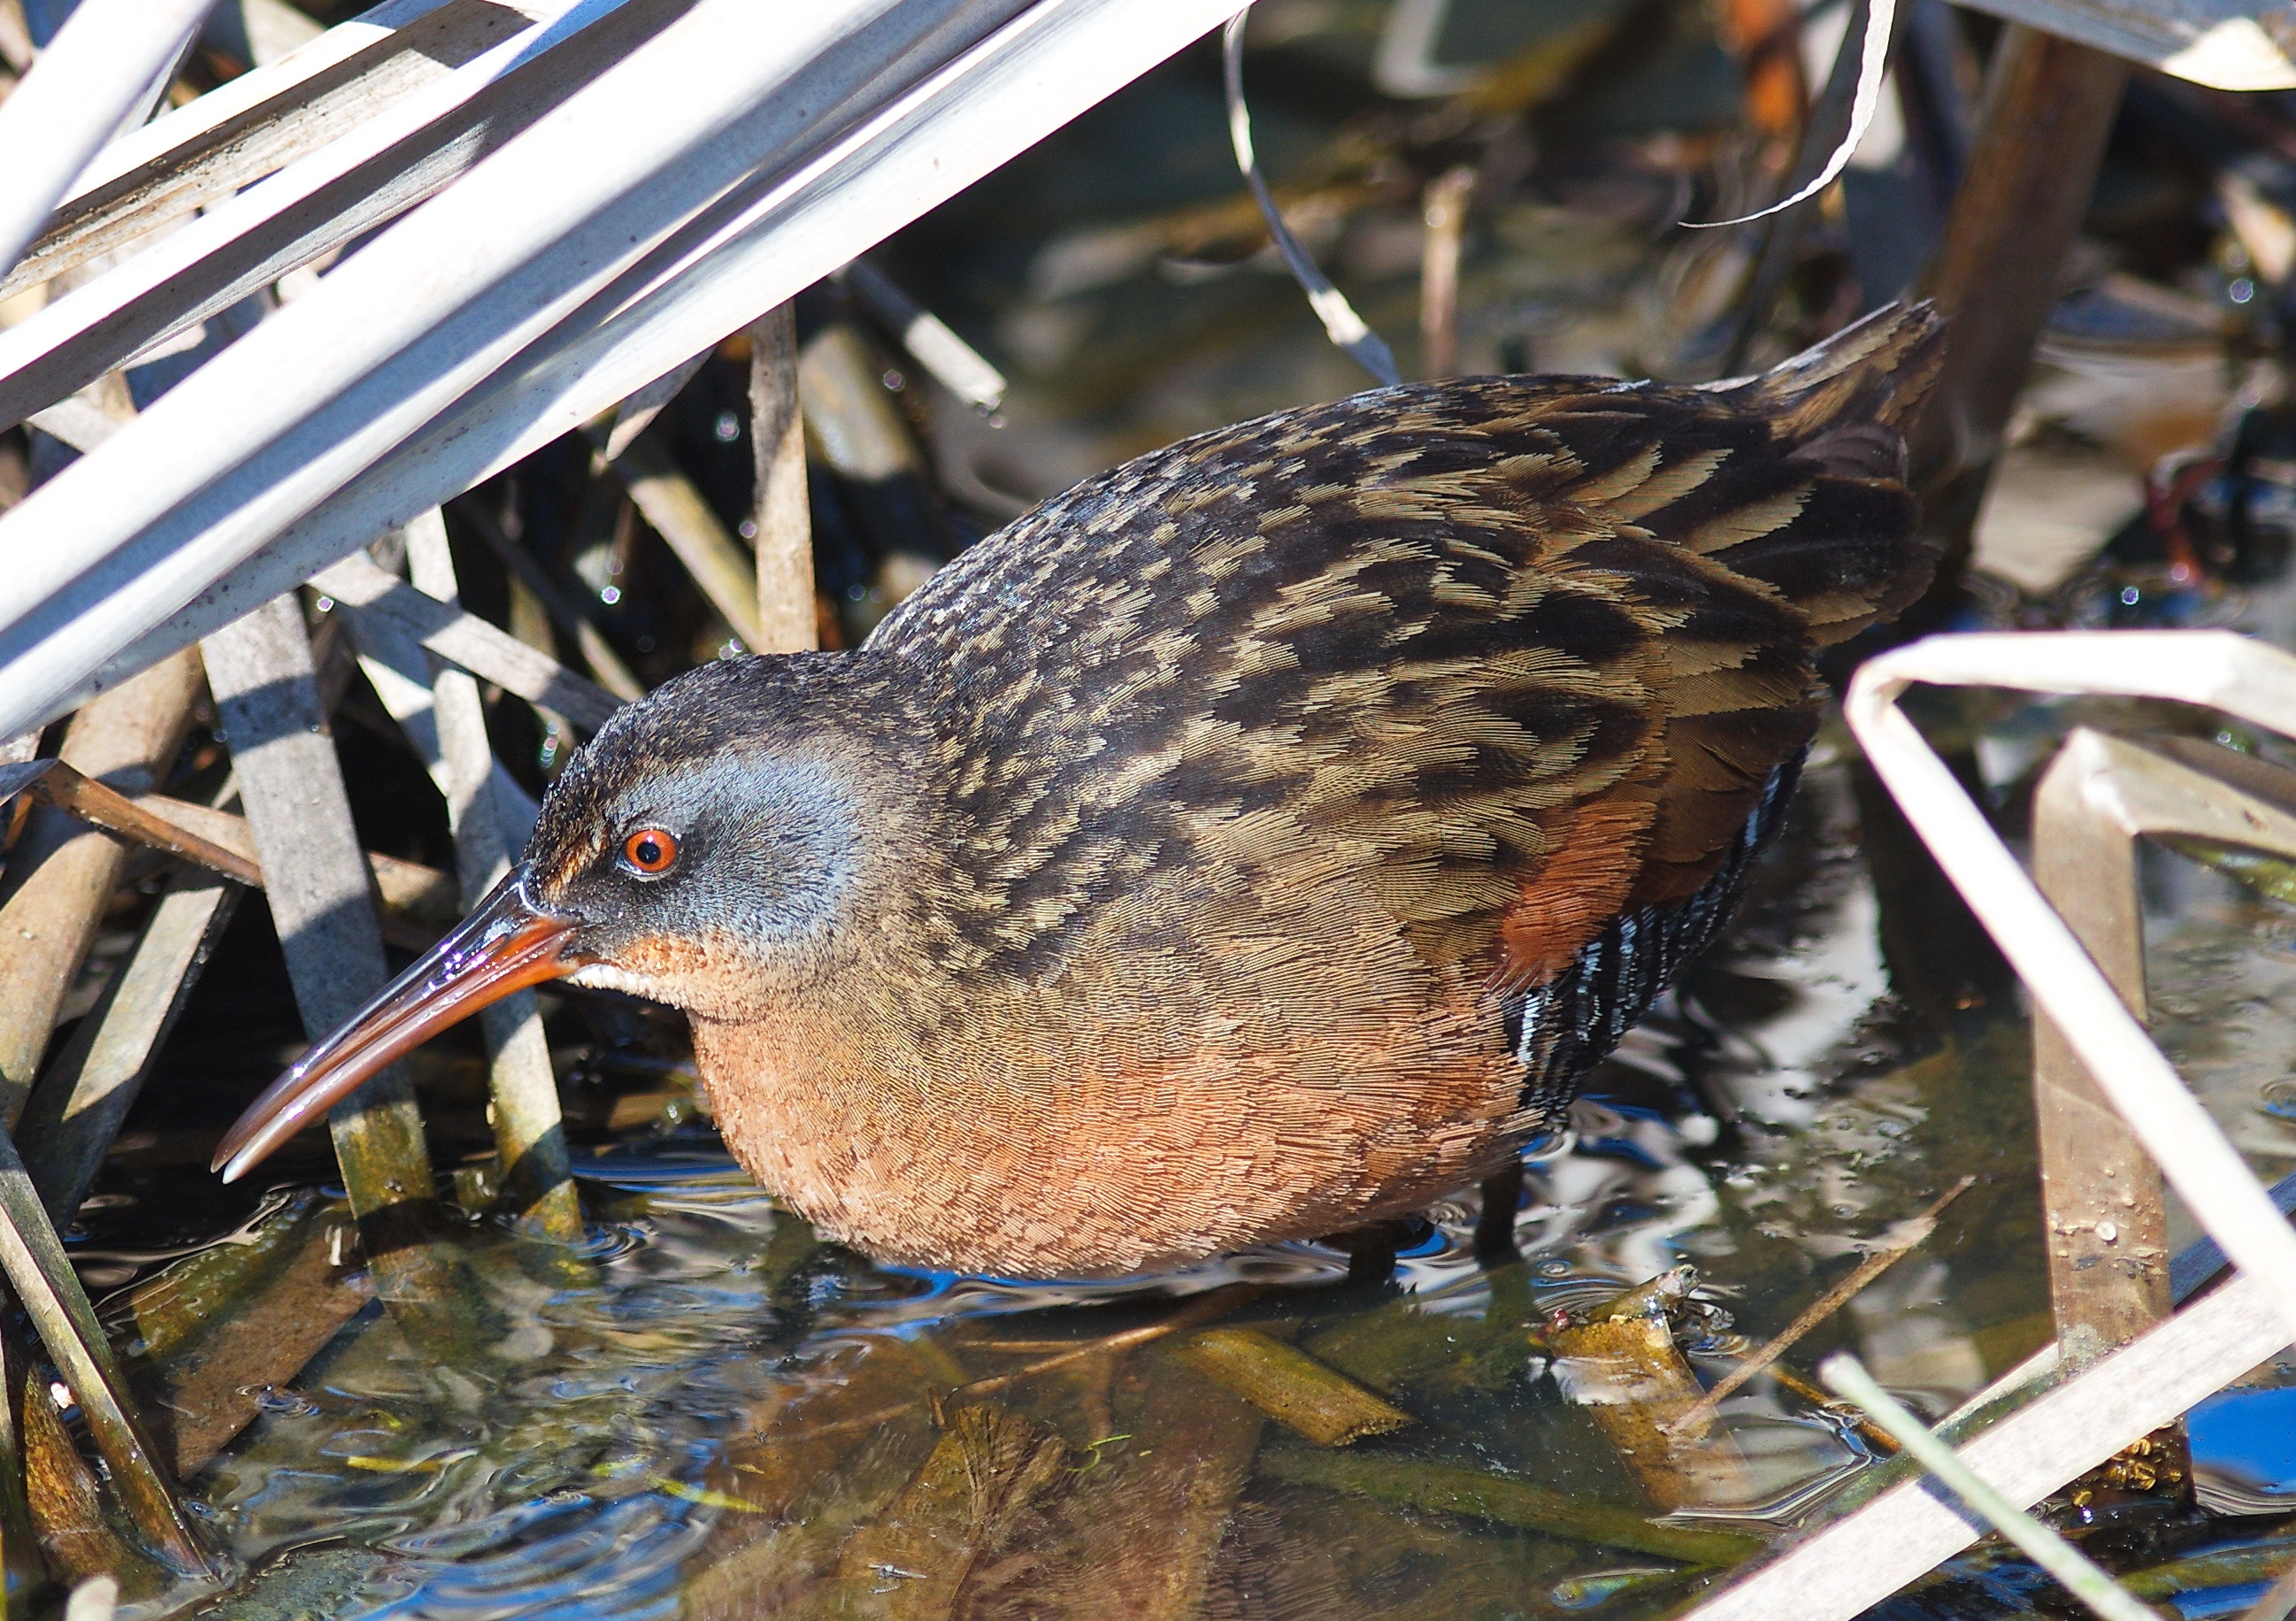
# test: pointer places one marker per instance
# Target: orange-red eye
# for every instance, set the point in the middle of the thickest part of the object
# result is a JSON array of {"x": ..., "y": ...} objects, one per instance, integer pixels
[{"x": 649, "y": 850}]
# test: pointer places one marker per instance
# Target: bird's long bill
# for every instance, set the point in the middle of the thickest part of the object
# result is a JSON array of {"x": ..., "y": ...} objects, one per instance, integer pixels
[{"x": 505, "y": 945}]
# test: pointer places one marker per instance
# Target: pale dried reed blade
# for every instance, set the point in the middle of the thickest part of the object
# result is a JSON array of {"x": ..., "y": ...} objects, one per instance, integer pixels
[
  {"x": 2217, "y": 669},
  {"x": 405, "y": 151},
  {"x": 105, "y": 67},
  {"x": 935, "y": 131},
  {"x": 2222, "y": 44},
  {"x": 1852, "y": 1565},
  {"x": 232, "y": 136}
]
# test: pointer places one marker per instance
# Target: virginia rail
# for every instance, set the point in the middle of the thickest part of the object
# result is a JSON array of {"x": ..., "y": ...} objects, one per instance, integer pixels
[{"x": 1254, "y": 842}]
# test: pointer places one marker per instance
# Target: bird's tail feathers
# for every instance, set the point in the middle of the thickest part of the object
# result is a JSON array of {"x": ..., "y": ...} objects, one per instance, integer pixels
[{"x": 1878, "y": 369}]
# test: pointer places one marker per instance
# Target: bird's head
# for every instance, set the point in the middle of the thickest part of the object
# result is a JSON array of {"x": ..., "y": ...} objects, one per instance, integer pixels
[{"x": 710, "y": 849}]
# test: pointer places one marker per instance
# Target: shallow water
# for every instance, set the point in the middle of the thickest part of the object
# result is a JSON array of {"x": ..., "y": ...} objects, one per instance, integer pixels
[{"x": 710, "y": 1414}]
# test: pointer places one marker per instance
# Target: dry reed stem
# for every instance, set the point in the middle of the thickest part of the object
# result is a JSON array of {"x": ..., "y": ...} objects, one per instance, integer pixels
[
  {"x": 529, "y": 1132},
  {"x": 33, "y": 1260},
  {"x": 1443, "y": 211},
  {"x": 2216, "y": 669},
  {"x": 320, "y": 897},
  {"x": 61, "y": 876},
  {"x": 682, "y": 517},
  {"x": 55, "y": 783},
  {"x": 2047, "y": 108},
  {"x": 2104, "y": 1216},
  {"x": 418, "y": 901},
  {"x": 87, "y": 1089},
  {"x": 1290, "y": 1386},
  {"x": 787, "y": 622}
]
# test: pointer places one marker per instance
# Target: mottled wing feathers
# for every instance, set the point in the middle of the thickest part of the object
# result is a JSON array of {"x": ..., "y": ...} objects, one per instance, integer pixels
[{"x": 1528, "y": 648}]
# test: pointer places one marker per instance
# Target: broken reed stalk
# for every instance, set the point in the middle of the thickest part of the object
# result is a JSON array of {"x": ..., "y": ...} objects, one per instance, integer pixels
[
  {"x": 1290, "y": 1386},
  {"x": 55, "y": 783},
  {"x": 1444, "y": 211},
  {"x": 66, "y": 1505},
  {"x": 1446, "y": 1488},
  {"x": 62, "y": 875},
  {"x": 529, "y": 1133},
  {"x": 85, "y": 1094},
  {"x": 668, "y": 501},
  {"x": 319, "y": 893},
  {"x": 1620, "y": 1364},
  {"x": 50, "y": 1292},
  {"x": 1846, "y": 1376},
  {"x": 2215, "y": 669},
  {"x": 2048, "y": 106},
  {"x": 787, "y": 620},
  {"x": 1904, "y": 1240},
  {"x": 2105, "y": 1215}
]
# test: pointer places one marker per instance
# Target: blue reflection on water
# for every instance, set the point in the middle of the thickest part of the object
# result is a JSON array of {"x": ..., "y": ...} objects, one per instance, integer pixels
[{"x": 2250, "y": 1436}]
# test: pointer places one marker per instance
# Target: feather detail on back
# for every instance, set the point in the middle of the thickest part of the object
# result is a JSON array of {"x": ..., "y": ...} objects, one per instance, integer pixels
[{"x": 1530, "y": 648}]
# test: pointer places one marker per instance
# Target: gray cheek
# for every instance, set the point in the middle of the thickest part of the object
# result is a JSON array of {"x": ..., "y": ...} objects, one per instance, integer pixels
[
  {"x": 788, "y": 877},
  {"x": 797, "y": 905}
]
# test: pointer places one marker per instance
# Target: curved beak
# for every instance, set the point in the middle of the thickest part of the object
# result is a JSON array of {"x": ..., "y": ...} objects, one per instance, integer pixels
[{"x": 507, "y": 944}]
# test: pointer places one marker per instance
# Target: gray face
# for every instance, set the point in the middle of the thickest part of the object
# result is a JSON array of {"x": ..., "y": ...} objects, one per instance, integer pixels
[{"x": 745, "y": 859}]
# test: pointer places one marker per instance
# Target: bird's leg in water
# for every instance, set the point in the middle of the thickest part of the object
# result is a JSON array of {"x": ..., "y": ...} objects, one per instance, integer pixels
[
  {"x": 1371, "y": 1250},
  {"x": 1495, "y": 1227}
]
